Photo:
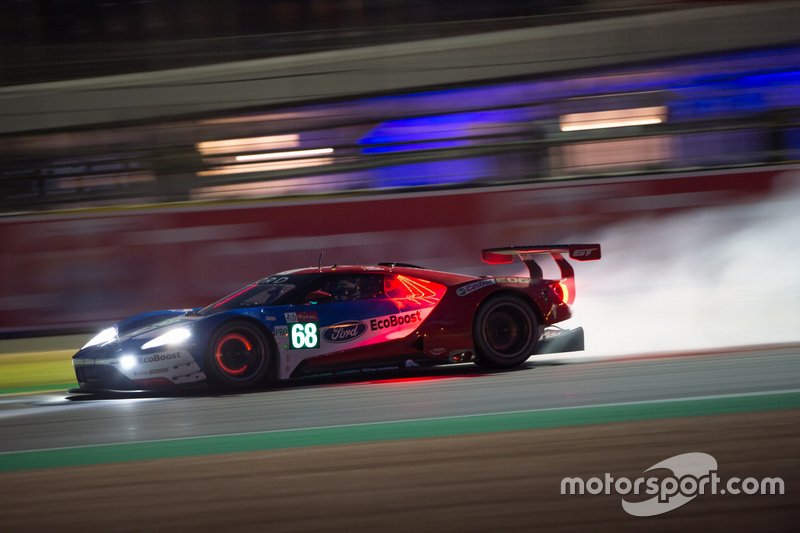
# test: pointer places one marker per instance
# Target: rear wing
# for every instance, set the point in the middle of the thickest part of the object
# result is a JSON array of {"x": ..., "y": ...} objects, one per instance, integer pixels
[{"x": 579, "y": 252}]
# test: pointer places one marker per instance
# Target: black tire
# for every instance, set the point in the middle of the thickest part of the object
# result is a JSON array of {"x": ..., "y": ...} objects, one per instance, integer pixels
[
  {"x": 505, "y": 332},
  {"x": 237, "y": 357}
]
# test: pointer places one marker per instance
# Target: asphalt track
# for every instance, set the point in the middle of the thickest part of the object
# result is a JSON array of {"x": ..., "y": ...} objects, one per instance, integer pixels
[
  {"x": 50, "y": 421},
  {"x": 449, "y": 449}
]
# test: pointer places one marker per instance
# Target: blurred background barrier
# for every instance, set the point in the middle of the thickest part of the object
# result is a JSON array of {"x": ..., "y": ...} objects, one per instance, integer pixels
[
  {"x": 75, "y": 270},
  {"x": 50, "y": 40},
  {"x": 420, "y": 137},
  {"x": 416, "y": 63}
]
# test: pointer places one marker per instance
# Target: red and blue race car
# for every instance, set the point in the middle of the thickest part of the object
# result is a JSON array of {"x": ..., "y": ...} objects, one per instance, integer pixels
[{"x": 336, "y": 318}]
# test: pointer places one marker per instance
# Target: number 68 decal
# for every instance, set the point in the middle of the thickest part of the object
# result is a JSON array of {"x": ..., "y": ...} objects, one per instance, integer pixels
[{"x": 304, "y": 335}]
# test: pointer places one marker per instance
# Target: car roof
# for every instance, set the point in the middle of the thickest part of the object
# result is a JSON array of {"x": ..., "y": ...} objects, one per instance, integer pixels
[{"x": 445, "y": 278}]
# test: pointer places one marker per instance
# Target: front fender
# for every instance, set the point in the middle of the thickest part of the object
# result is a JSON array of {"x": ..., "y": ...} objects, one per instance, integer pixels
[{"x": 145, "y": 319}]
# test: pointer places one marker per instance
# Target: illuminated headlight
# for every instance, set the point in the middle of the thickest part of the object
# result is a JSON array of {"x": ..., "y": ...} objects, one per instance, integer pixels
[
  {"x": 126, "y": 362},
  {"x": 171, "y": 337},
  {"x": 107, "y": 335}
]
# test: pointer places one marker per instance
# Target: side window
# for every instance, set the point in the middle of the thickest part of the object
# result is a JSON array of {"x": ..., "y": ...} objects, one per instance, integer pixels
[{"x": 345, "y": 288}]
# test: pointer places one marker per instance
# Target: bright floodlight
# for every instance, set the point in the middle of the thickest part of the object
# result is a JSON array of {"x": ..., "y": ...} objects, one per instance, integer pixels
[{"x": 614, "y": 118}]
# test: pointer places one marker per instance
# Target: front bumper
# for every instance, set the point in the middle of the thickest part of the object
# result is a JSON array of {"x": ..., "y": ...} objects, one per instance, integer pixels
[
  {"x": 101, "y": 369},
  {"x": 96, "y": 377}
]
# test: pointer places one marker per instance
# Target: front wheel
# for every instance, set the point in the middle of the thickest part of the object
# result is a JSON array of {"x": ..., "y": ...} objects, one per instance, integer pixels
[
  {"x": 237, "y": 357},
  {"x": 505, "y": 332}
]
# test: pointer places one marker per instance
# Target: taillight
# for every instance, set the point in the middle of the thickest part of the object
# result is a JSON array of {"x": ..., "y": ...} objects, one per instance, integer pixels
[{"x": 562, "y": 291}]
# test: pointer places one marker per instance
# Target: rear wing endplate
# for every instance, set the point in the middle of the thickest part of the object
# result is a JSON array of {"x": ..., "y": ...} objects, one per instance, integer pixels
[{"x": 579, "y": 252}]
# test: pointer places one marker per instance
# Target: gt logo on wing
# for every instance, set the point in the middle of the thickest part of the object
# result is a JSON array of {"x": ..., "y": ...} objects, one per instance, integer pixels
[{"x": 583, "y": 254}]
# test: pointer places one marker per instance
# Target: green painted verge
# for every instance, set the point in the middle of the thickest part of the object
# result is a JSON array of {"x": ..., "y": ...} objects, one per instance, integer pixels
[
  {"x": 387, "y": 431},
  {"x": 36, "y": 371},
  {"x": 45, "y": 387}
]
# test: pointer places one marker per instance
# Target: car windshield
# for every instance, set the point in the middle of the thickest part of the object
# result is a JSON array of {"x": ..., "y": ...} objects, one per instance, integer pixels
[{"x": 273, "y": 290}]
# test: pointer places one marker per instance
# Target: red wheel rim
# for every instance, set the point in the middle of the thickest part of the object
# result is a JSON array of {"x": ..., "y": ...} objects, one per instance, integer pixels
[{"x": 221, "y": 353}]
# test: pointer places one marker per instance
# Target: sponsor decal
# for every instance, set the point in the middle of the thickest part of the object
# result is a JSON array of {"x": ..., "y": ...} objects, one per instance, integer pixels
[
  {"x": 152, "y": 372},
  {"x": 344, "y": 331},
  {"x": 157, "y": 357},
  {"x": 474, "y": 286},
  {"x": 301, "y": 316},
  {"x": 274, "y": 280},
  {"x": 281, "y": 331},
  {"x": 517, "y": 281},
  {"x": 395, "y": 320}
]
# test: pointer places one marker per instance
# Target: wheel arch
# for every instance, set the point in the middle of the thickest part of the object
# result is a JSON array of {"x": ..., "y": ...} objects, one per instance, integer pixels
[
  {"x": 273, "y": 363},
  {"x": 507, "y": 291}
]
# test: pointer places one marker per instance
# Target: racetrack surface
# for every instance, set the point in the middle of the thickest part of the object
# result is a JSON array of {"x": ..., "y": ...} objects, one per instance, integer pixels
[
  {"x": 492, "y": 482},
  {"x": 505, "y": 477},
  {"x": 36, "y": 422}
]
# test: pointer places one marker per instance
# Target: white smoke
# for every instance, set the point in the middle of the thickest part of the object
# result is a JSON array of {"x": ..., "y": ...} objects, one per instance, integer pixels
[{"x": 712, "y": 278}]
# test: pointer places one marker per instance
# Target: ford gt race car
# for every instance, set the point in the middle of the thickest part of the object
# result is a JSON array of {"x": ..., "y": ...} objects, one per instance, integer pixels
[{"x": 333, "y": 319}]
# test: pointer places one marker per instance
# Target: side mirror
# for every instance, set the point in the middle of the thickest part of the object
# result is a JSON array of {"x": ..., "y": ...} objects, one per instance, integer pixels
[{"x": 319, "y": 297}]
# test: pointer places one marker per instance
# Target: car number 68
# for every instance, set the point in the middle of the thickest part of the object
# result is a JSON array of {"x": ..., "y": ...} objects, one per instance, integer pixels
[{"x": 304, "y": 335}]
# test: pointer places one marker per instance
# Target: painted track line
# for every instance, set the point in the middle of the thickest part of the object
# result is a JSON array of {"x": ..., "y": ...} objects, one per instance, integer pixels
[
  {"x": 94, "y": 454},
  {"x": 428, "y": 419}
]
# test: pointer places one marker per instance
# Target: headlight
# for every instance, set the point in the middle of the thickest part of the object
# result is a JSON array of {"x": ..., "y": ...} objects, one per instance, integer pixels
[
  {"x": 107, "y": 335},
  {"x": 126, "y": 362},
  {"x": 173, "y": 336}
]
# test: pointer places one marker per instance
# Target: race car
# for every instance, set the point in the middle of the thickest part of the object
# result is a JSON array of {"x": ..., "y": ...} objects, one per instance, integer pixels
[{"x": 331, "y": 319}]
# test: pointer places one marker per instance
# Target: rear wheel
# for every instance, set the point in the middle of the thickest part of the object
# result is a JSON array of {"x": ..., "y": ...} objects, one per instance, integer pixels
[
  {"x": 505, "y": 332},
  {"x": 238, "y": 356}
]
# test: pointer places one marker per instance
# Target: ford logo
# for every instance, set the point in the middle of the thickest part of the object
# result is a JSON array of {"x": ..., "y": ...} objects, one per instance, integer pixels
[{"x": 344, "y": 331}]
